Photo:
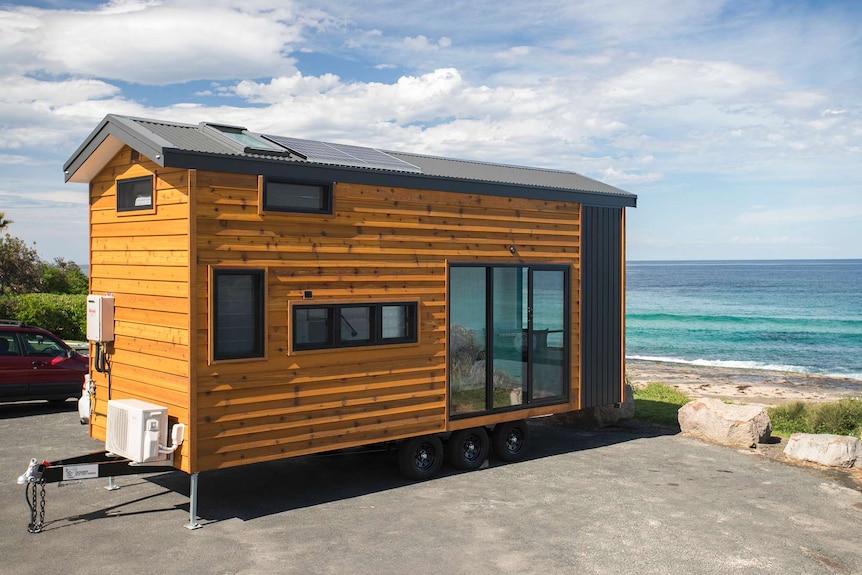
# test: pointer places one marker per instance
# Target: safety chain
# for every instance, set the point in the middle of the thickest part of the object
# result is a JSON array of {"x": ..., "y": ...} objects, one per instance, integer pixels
[{"x": 36, "y": 503}]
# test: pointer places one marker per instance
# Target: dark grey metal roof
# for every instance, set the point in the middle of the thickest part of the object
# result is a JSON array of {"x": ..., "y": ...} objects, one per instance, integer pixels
[{"x": 204, "y": 146}]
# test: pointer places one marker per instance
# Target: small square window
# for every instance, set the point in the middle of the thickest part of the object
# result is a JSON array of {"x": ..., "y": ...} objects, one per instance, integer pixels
[
  {"x": 135, "y": 194},
  {"x": 397, "y": 322},
  {"x": 312, "y": 327},
  {"x": 281, "y": 196},
  {"x": 357, "y": 324}
]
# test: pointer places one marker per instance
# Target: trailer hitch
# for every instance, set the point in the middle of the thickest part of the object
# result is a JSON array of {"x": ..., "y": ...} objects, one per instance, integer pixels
[{"x": 90, "y": 466}]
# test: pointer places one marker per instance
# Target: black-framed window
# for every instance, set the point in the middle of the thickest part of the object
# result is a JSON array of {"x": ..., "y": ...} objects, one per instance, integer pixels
[
  {"x": 289, "y": 196},
  {"x": 350, "y": 325},
  {"x": 238, "y": 314},
  {"x": 135, "y": 194},
  {"x": 509, "y": 337}
]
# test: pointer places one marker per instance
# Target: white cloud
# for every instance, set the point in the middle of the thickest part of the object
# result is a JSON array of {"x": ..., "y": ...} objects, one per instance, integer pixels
[
  {"x": 801, "y": 214},
  {"x": 422, "y": 44},
  {"x": 666, "y": 81},
  {"x": 149, "y": 42}
]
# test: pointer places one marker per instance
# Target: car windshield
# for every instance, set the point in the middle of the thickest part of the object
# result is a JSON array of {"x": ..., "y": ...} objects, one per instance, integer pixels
[{"x": 39, "y": 345}]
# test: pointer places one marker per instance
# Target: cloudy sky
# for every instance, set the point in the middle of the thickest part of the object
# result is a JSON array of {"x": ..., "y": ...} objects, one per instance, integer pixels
[{"x": 738, "y": 124}]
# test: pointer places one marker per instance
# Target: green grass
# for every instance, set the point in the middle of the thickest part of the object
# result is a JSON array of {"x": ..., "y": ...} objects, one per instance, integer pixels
[
  {"x": 843, "y": 417},
  {"x": 658, "y": 403}
]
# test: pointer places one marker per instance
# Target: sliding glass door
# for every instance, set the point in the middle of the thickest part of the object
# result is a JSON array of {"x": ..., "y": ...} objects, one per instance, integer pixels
[{"x": 508, "y": 337}]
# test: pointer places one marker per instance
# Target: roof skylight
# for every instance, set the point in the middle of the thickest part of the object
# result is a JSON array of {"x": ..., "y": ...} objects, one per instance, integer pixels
[{"x": 249, "y": 142}]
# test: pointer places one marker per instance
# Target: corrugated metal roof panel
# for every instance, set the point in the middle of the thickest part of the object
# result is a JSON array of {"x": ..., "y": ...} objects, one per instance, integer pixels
[
  {"x": 186, "y": 137},
  {"x": 502, "y": 173}
]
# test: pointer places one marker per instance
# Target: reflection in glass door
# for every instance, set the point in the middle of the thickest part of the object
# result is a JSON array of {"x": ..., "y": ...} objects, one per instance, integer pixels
[
  {"x": 509, "y": 375},
  {"x": 467, "y": 342},
  {"x": 548, "y": 341}
]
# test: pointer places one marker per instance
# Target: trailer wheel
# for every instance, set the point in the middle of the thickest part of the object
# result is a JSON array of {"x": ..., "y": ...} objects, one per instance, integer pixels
[
  {"x": 511, "y": 440},
  {"x": 468, "y": 448},
  {"x": 420, "y": 458}
]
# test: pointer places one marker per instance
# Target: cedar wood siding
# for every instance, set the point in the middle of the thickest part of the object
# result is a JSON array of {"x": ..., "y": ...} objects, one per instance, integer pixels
[
  {"x": 143, "y": 260},
  {"x": 379, "y": 244}
]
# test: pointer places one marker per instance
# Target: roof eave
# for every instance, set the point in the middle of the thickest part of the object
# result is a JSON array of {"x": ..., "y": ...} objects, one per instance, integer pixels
[
  {"x": 104, "y": 142},
  {"x": 326, "y": 172}
]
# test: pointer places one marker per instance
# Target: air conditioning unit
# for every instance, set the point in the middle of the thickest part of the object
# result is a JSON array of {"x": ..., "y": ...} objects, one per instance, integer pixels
[{"x": 136, "y": 429}]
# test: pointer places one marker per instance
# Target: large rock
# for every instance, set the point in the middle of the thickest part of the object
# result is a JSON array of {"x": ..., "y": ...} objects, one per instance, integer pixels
[
  {"x": 730, "y": 424},
  {"x": 602, "y": 415},
  {"x": 825, "y": 449},
  {"x": 606, "y": 415}
]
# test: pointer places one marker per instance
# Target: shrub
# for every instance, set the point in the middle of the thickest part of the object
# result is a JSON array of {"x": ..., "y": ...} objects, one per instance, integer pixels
[
  {"x": 843, "y": 417},
  {"x": 658, "y": 403},
  {"x": 789, "y": 418},
  {"x": 63, "y": 315}
]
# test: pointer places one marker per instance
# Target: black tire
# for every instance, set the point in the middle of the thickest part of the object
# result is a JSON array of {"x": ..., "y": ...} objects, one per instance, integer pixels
[
  {"x": 420, "y": 458},
  {"x": 467, "y": 449},
  {"x": 511, "y": 440}
]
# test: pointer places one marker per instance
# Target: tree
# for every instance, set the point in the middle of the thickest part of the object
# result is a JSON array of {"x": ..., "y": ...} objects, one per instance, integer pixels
[
  {"x": 3, "y": 221},
  {"x": 63, "y": 277},
  {"x": 20, "y": 268}
]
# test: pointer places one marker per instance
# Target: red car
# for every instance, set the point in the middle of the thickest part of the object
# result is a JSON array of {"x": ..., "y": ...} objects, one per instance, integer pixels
[{"x": 36, "y": 364}]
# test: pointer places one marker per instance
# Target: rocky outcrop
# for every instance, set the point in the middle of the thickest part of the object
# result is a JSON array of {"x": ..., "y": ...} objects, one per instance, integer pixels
[
  {"x": 729, "y": 424},
  {"x": 825, "y": 449}
]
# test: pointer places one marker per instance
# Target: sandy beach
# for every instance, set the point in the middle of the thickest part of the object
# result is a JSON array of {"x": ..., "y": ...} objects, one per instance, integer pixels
[{"x": 742, "y": 385}]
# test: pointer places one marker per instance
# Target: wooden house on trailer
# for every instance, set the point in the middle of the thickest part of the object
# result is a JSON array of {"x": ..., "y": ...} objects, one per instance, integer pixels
[{"x": 282, "y": 296}]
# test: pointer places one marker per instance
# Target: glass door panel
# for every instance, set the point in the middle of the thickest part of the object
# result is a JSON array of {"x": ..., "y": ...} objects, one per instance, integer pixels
[
  {"x": 510, "y": 321},
  {"x": 548, "y": 342},
  {"x": 467, "y": 340}
]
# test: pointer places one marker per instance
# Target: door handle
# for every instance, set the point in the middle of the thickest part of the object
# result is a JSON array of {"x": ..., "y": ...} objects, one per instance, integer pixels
[{"x": 39, "y": 363}]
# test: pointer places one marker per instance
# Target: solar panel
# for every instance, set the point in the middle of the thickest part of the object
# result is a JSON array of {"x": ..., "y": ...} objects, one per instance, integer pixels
[{"x": 343, "y": 154}]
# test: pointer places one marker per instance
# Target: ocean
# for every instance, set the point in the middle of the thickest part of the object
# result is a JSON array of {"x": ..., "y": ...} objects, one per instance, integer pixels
[{"x": 801, "y": 316}]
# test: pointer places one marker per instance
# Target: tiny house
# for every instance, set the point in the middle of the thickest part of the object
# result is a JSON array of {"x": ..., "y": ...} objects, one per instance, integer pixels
[{"x": 281, "y": 296}]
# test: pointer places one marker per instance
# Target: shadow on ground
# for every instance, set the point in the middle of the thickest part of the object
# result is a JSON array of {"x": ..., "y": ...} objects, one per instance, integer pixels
[
  {"x": 258, "y": 490},
  {"x": 30, "y": 408}
]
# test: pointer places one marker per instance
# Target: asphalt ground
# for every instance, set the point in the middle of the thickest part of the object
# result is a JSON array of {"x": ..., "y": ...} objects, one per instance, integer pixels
[{"x": 634, "y": 500}]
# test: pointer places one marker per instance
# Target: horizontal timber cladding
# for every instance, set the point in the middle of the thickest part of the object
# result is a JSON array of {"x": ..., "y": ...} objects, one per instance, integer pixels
[
  {"x": 143, "y": 260},
  {"x": 379, "y": 244},
  {"x": 602, "y": 293}
]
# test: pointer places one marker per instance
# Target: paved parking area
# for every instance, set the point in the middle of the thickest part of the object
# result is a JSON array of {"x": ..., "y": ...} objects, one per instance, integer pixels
[{"x": 610, "y": 502}]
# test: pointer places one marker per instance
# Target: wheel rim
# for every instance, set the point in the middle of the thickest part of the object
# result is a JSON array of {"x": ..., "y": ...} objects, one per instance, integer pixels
[
  {"x": 515, "y": 440},
  {"x": 424, "y": 456},
  {"x": 471, "y": 448}
]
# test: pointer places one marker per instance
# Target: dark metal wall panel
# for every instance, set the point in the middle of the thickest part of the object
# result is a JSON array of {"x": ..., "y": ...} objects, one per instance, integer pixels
[{"x": 601, "y": 306}]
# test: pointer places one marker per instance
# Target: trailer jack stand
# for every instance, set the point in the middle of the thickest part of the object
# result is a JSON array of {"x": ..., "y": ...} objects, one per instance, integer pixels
[{"x": 193, "y": 503}]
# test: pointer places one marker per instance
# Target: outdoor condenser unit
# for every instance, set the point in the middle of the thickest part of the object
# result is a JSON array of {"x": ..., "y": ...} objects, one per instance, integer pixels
[{"x": 136, "y": 429}]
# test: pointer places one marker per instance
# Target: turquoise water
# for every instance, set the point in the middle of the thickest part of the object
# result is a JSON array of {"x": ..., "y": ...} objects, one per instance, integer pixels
[{"x": 793, "y": 315}]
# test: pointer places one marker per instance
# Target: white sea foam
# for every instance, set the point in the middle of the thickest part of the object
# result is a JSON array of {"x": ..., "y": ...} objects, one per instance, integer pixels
[
  {"x": 734, "y": 364},
  {"x": 724, "y": 363}
]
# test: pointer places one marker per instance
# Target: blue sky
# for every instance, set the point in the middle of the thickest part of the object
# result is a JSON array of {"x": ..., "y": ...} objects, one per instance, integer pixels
[{"x": 738, "y": 124}]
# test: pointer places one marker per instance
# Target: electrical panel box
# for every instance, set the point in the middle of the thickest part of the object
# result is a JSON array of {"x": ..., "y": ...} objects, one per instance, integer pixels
[
  {"x": 136, "y": 429},
  {"x": 100, "y": 318}
]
